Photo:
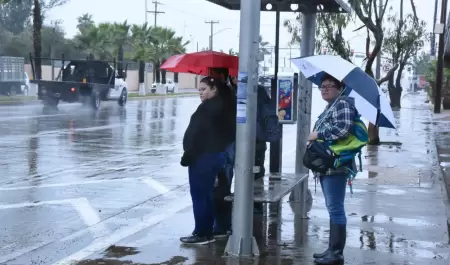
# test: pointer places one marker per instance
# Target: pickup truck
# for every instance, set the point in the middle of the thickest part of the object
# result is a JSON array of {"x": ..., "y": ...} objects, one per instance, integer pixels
[{"x": 85, "y": 81}]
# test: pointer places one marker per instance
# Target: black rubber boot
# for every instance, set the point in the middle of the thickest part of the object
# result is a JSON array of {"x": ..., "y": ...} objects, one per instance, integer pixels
[
  {"x": 338, "y": 237},
  {"x": 323, "y": 254}
]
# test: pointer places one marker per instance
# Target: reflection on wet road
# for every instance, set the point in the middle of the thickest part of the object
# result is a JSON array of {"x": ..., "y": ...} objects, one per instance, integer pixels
[
  {"x": 73, "y": 173},
  {"x": 66, "y": 170},
  {"x": 106, "y": 187}
]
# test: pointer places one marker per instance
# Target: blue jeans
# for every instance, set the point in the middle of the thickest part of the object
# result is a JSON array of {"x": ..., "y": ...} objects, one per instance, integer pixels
[
  {"x": 202, "y": 175},
  {"x": 333, "y": 188}
]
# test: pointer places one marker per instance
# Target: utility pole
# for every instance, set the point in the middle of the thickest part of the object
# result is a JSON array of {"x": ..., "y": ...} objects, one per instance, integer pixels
[
  {"x": 146, "y": 11},
  {"x": 155, "y": 12},
  {"x": 440, "y": 58},
  {"x": 433, "y": 35},
  {"x": 212, "y": 22}
]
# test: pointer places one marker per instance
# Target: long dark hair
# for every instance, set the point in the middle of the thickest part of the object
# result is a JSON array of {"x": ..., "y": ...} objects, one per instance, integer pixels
[{"x": 223, "y": 90}]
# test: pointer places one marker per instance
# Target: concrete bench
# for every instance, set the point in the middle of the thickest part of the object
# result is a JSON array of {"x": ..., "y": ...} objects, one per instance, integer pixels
[{"x": 273, "y": 187}]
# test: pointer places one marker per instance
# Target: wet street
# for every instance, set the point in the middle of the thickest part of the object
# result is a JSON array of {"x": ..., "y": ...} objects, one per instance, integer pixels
[{"x": 83, "y": 187}]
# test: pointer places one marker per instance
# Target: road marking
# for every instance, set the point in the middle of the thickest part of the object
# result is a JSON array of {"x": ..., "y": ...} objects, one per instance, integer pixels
[
  {"x": 31, "y": 117},
  {"x": 41, "y": 176},
  {"x": 33, "y": 204},
  {"x": 68, "y": 131},
  {"x": 55, "y": 185},
  {"x": 148, "y": 220},
  {"x": 90, "y": 216},
  {"x": 156, "y": 185},
  {"x": 84, "y": 209}
]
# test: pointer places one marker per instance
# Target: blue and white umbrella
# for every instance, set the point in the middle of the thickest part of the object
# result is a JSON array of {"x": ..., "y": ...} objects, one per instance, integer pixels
[{"x": 369, "y": 98}]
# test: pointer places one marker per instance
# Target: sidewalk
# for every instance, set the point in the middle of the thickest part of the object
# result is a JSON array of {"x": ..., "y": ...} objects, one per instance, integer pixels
[{"x": 397, "y": 214}]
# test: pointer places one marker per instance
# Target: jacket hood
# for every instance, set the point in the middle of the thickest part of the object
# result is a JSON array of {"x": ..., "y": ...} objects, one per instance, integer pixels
[{"x": 348, "y": 99}]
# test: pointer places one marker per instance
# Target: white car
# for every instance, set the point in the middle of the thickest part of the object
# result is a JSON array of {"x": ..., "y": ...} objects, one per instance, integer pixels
[{"x": 169, "y": 85}]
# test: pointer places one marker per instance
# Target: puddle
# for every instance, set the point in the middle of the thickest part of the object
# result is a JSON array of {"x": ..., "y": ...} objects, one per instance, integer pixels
[
  {"x": 392, "y": 192},
  {"x": 445, "y": 164},
  {"x": 365, "y": 174},
  {"x": 444, "y": 155},
  {"x": 120, "y": 251},
  {"x": 384, "y": 219}
]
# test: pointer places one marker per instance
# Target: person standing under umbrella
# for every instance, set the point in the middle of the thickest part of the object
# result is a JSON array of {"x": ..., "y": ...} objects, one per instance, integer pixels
[
  {"x": 204, "y": 145},
  {"x": 333, "y": 124}
]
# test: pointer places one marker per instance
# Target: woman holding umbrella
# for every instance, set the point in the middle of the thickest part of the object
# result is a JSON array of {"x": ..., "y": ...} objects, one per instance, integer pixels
[{"x": 340, "y": 120}]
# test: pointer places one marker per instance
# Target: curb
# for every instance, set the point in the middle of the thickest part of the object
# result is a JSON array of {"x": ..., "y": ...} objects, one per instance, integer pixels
[
  {"x": 444, "y": 180},
  {"x": 445, "y": 189}
]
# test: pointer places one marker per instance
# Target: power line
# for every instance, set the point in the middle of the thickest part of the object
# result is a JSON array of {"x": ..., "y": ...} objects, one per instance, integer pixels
[
  {"x": 155, "y": 12},
  {"x": 212, "y": 22}
]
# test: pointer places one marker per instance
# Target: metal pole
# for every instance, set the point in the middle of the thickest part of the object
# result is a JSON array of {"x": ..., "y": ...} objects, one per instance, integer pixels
[
  {"x": 433, "y": 35},
  {"x": 211, "y": 37},
  {"x": 242, "y": 242},
  {"x": 276, "y": 148},
  {"x": 146, "y": 11},
  {"x": 440, "y": 60},
  {"x": 304, "y": 110}
]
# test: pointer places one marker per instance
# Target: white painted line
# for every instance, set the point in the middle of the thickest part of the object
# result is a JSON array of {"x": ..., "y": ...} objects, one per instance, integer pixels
[
  {"x": 30, "y": 117},
  {"x": 89, "y": 216},
  {"x": 156, "y": 185},
  {"x": 41, "y": 176},
  {"x": 33, "y": 204},
  {"x": 148, "y": 220},
  {"x": 81, "y": 205},
  {"x": 75, "y": 183}
]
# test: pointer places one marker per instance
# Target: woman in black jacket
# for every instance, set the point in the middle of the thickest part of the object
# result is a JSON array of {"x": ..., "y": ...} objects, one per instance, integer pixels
[{"x": 204, "y": 144}]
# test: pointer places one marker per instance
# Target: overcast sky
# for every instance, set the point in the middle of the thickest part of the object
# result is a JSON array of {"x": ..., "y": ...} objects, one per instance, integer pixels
[{"x": 188, "y": 18}]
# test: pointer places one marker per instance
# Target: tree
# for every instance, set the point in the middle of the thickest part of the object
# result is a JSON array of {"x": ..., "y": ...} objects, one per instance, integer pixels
[
  {"x": 401, "y": 43},
  {"x": 421, "y": 63},
  {"x": 85, "y": 21},
  {"x": 330, "y": 34},
  {"x": 430, "y": 77},
  {"x": 15, "y": 15},
  {"x": 164, "y": 44}
]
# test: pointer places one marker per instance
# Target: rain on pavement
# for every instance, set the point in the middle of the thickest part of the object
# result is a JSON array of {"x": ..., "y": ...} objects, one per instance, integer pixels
[{"x": 106, "y": 187}]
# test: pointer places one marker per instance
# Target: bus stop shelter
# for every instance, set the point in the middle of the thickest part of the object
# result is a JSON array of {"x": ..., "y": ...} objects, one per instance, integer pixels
[{"x": 242, "y": 243}]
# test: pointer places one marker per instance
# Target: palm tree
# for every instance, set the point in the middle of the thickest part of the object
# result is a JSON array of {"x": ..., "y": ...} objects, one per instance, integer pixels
[
  {"x": 120, "y": 36},
  {"x": 94, "y": 41},
  {"x": 141, "y": 48},
  {"x": 165, "y": 44}
]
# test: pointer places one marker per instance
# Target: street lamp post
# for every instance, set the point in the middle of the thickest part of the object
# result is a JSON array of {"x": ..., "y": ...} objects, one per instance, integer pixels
[{"x": 211, "y": 37}]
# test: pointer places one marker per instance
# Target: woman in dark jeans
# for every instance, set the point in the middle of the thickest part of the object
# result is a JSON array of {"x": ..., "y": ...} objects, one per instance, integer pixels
[{"x": 204, "y": 144}]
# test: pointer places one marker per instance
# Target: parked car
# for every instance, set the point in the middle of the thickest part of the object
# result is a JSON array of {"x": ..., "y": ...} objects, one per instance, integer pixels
[{"x": 169, "y": 85}]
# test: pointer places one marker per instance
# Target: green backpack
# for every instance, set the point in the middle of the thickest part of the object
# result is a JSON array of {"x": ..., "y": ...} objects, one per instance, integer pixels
[{"x": 345, "y": 150}]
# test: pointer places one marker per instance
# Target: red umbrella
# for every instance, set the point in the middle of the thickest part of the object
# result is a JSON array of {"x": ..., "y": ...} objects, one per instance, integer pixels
[{"x": 201, "y": 62}]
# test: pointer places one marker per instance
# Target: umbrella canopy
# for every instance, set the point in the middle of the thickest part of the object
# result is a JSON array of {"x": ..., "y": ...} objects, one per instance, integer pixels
[
  {"x": 200, "y": 63},
  {"x": 369, "y": 98}
]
